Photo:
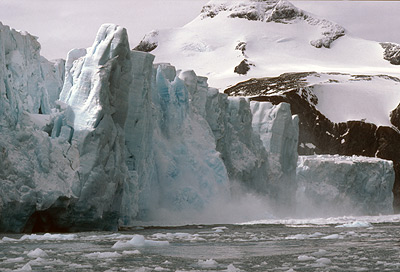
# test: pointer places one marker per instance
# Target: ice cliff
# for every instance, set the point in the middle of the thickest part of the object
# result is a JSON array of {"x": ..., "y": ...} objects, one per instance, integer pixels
[
  {"x": 125, "y": 140},
  {"x": 359, "y": 185},
  {"x": 129, "y": 141}
]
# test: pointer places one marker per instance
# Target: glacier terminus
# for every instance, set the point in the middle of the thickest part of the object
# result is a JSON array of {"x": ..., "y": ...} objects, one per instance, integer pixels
[{"x": 108, "y": 139}]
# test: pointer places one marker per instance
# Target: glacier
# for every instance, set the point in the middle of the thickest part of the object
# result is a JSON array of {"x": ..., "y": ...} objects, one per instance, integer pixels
[{"x": 107, "y": 139}]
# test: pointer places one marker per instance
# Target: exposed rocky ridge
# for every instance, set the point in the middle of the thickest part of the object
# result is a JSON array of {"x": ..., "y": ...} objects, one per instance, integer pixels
[
  {"x": 278, "y": 11},
  {"x": 319, "y": 135},
  {"x": 391, "y": 53}
]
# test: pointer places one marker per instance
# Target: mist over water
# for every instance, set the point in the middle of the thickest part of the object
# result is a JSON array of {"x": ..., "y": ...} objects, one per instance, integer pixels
[{"x": 240, "y": 205}]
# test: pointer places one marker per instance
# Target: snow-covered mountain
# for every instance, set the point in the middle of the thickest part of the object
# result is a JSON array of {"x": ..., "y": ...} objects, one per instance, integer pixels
[{"x": 231, "y": 41}]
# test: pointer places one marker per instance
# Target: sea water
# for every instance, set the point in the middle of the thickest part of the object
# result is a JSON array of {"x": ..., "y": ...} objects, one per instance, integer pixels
[{"x": 330, "y": 244}]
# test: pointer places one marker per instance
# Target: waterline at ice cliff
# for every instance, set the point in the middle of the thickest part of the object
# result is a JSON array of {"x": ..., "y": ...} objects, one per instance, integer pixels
[{"x": 129, "y": 141}]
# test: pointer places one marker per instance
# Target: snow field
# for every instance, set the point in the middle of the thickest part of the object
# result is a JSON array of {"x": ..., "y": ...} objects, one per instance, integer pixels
[
  {"x": 273, "y": 48},
  {"x": 344, "y": 97}
]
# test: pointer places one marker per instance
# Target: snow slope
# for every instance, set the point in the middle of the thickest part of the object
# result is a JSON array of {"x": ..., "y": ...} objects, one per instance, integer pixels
[
  {"x": 339, "y": 97},
  {"x": 344, "y": 97},
  {"x": 273, "y": 37}
]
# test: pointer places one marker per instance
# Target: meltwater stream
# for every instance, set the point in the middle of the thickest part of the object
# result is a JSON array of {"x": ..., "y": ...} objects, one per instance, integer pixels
[{"x": 334, "y": 244}]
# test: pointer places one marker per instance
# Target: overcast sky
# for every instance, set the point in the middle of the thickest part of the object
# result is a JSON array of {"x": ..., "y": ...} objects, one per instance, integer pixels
[{"x": 65, "y": 24}]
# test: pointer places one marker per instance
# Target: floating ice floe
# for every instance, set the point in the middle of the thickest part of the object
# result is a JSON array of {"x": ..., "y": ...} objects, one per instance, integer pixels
[
  {"x": 232, "y": 268},
  {"x": 303, "y": 236},
  {"x": 332, "y": 236},
  {"x": 48, "y": 236},
  {"x": 210, "y": 263},
  {"x": 304, "y": 258},
  {"x": 320, "y": 253},
  {"x": 37, "y": 253},
  {"x": 356, "y": 224},
  {"x": 14, "y": 260},
  {"x": 219, "y": 229},
  {"x": 178, "y": 236},
  {"x": 138, "y": 241},
  {"x": 131, "y": 252},
  {"x": 323, "y": 261},
  {"x": 103, "y": 255}
]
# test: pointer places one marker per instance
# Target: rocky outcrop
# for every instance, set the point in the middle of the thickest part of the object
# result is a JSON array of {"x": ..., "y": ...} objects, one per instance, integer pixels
[
  {"x": 148, "y": 43},
  {"x": 278, "y": 11},
  {"x": 391, "y": 53},
  {"x": 243, "y": 67},
  {"x": 319, "y": 135}
]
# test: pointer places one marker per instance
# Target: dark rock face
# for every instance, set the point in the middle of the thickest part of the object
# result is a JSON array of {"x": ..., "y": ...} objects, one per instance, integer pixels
[
  {"x": 391, "y": 53},
  {"x": 318, "y": 135},
  {"x": 241, "y": 46},
  {"x": 148, "y": 43},
  {"x": 249, "y": 15},
  {"x": 395, "y": 117},
  {"x": 145, "y": 46},
  {"x": 284, "y": 11},
  {"x": 243, "y": 67}
]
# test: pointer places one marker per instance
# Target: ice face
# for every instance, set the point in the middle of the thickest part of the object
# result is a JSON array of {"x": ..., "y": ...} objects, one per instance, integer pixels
[
  {"x": 139, "y": 138},
  {"x": 66, "y": 170},
  {"x": 183, "y": 171},
  {"x": 97, "y": 106},
  {"x": 344, "y": 185},
  {"x": 36, "y": 170},
  {"x": 279, "y": 133},
  {"x": 22, "y": 88},
  {"x": 53, "y": 75}
]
